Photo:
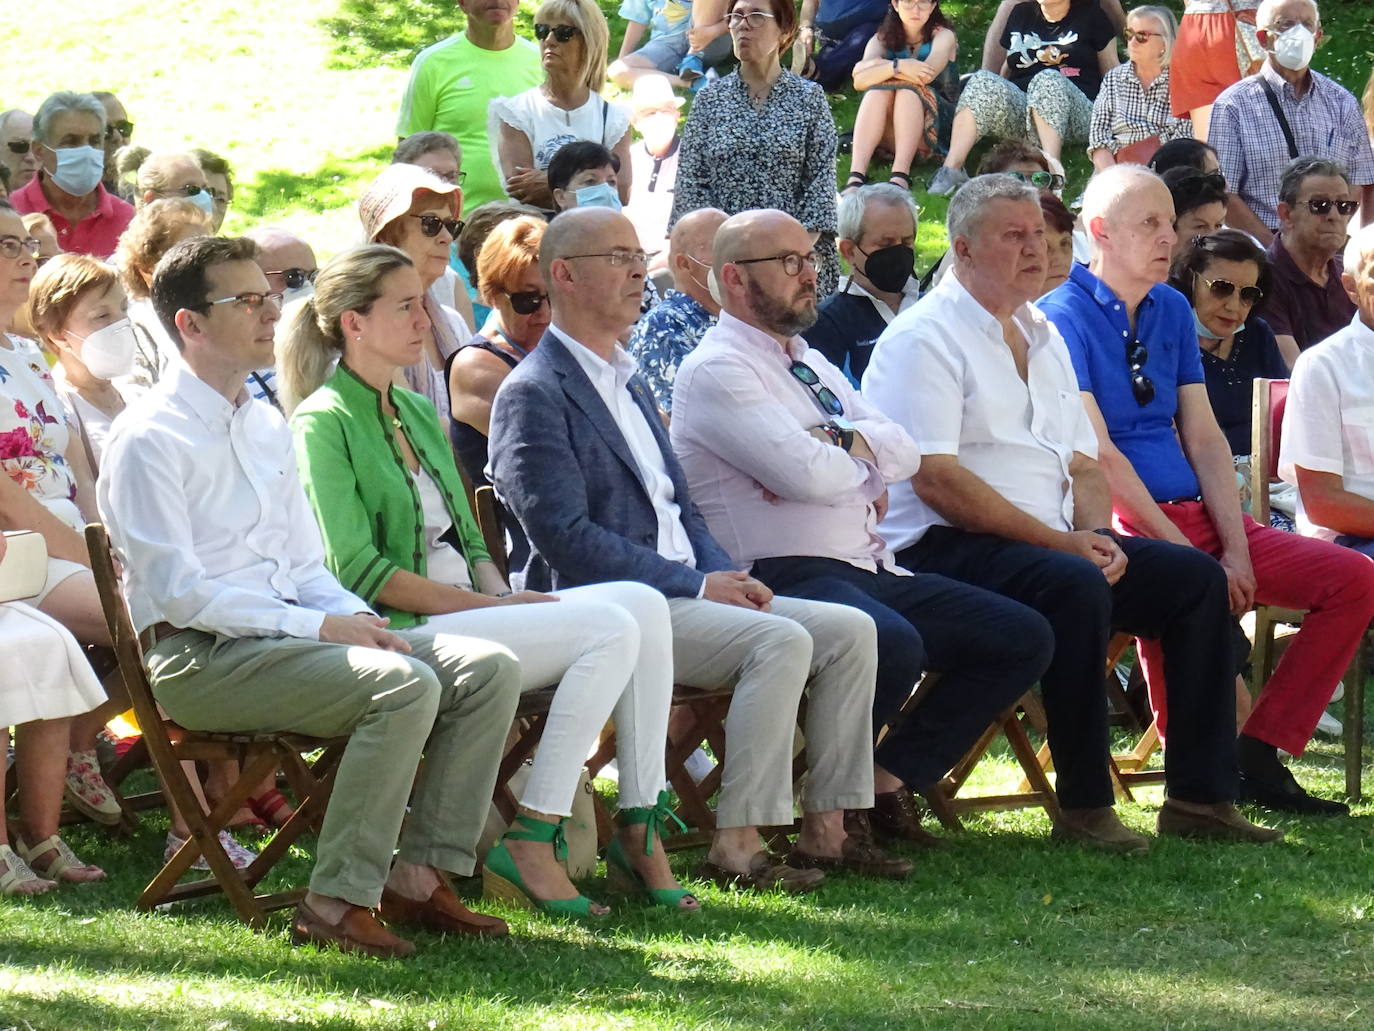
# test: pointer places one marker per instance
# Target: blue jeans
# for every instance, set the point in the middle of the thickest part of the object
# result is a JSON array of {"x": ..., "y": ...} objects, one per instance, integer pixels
[{"x": 1364, "y": 545}]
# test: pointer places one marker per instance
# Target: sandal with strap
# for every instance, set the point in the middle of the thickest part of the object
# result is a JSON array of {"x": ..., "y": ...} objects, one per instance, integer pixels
[
  {"x": 501, "y": 878},
  {"x": 856, "y": 180},
  {"x": 64, "y": 861},
  {"x": 17, "y": 879},
  {"x": 271, "y": 807},
  {"x": 623, "y": 877},
  {"x": 905, "y": 183}
]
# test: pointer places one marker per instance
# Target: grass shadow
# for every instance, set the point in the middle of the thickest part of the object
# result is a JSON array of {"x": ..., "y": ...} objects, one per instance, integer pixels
[{"x": 336, "y": 183}]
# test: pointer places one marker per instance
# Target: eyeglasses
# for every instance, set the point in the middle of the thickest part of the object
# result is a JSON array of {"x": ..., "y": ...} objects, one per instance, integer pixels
[
  {"x": 792, "y": 262},
  {"x": 123, "y": 127},
  {"x": 1224, "y": 288},
  {"x": 19, "y": 146},
  {"x": 431, "y": 224},
  {"x": 753, "y": 20},
  {"x": 825, "y": 397},
  {"x": 618, "y": 258},
  {"x": 562, "y": 33},
  {"x": 526, "y": 302},
  {"x": 295, "y": 278},
  {"x": 13, "y": 246},
  {"x": 251, "y": 303},
  {"x": 1141, "y": 385},
  {"x": 189, "y": 190},
  {"x": 920, "y": 5},
  {"x": 456, "y": 178},
  {"x": 1321, "y": 205},
  {"x": 1139, "y": 36},
  {"x": 1040, "y": 180}
]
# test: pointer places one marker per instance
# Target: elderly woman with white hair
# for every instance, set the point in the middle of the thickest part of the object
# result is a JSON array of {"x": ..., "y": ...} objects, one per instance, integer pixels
[
  {"x": 166, "y": 175},
  {"x": 1131, "y": 115}
]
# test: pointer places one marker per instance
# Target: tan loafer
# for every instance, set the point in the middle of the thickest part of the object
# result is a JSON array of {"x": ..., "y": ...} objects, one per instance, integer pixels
[
  {"x": 1219, "y": 822},
  {"x": 767, "y": 872},
  {"x": 442, "y": 912},
  {"x": 358, "y": 931},
  {"x": 1098, "y": 827}
]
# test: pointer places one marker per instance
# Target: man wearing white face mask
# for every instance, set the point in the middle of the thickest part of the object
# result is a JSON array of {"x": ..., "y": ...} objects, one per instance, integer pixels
[
  {"x": 1286, "y": 111},
  {"x": 68, "y": 139},
  {"x": 289, "y": 264}
]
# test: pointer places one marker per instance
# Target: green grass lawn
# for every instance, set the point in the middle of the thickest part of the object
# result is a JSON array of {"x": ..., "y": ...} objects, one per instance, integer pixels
[{"x": 1003, "y": 930}]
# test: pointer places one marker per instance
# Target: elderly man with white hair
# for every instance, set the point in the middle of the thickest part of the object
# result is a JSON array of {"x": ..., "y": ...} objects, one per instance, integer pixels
[
  {"x": 1283, "y": 112},
  {"x": 69, "y": 141},
  {"x": 16, "y": 146},
  {"x": 1134, "y": 347},
  {"x": 1328, "y": 432}
]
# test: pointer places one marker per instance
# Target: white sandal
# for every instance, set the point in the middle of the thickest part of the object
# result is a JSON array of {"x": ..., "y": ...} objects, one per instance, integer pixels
[
  {"x": 57, "y": 868},
  {"x": 17, "y": 879}
]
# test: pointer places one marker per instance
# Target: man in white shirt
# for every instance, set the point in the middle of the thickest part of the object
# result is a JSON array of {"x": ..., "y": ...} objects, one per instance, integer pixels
[
  {"x": 225, "y": 563},
  {"x": 1009, "y": 497},
  {"x": 1327, "y": 448},
  {"x": 790, "y": 467},
  {"x": 580, "y": 455}
]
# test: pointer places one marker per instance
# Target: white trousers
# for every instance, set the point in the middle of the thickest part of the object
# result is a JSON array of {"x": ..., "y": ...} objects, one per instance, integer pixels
[{"x": 609, "y": 649}]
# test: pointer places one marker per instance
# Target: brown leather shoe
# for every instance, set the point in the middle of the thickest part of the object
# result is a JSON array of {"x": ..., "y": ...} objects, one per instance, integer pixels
[
  {"x": 856, "y": 856},
  {"x": 1219, "y": 822},
  {"x": 442, "y": 912},
  {"x": 1098, "y": 827},
  {"x": 358, "y": 931},
  {"x": 896, "y": 819},
  {"x": 766, "y": 872}
]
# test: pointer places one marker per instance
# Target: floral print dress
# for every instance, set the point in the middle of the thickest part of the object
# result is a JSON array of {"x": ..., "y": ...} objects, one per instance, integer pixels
[{"x": 33, "y": 430}]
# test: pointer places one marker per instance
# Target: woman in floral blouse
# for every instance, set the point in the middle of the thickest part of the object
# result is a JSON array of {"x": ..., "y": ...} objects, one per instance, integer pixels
[{"x": 762, "y": 137}]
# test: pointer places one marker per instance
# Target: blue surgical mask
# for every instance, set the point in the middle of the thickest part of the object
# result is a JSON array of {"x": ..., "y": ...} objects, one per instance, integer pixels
[
  {"x": 602, "y": 195},
  {"x": 205, "y": 202},
  {"x": 1202, "y": 330},
  {"x": 79, "y": 169}
]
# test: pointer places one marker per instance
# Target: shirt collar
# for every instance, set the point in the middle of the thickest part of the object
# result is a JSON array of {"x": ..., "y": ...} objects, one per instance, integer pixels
[
  {"x": 1029, "y": 318},
  {"x": 794, "y": 350},
  {"x": 1282, "y": 86},
  {"x": 1285, "y": 267},
  {"x": 911, "y": 290},
  {"x": 1100, "y": 292},
  {"x": 680, "y": 299},
  {"x": 32, "y": 193},
  {"x": 621, "y": 366},
  {"x": 205, "y": 401}
]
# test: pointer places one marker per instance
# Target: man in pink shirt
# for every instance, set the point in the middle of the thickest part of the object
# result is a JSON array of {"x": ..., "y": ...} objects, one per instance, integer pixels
[
  {"x": 790, "y": 465},
  {"x": 68, "y": 140}
]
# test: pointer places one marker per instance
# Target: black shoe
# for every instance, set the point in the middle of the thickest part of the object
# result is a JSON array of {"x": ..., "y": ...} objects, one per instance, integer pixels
[{"x": 1283, "y": 792}]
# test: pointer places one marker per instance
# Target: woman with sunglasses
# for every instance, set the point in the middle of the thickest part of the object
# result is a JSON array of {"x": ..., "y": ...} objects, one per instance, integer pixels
[
  {"x": 1131, "y": 116},
  {"x": 763, "y": 137},
  {"x": 398, "y": 531},
  {"x": 166, "y": 174},
  {"x": 909, "y": 83},
  {"x": 527, "y": 129}
]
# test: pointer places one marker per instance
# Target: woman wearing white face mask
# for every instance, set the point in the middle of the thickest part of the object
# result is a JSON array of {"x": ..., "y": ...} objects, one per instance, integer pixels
[
  {"x": 80, "y": 313},
  {"x": 584, "y": 174}
]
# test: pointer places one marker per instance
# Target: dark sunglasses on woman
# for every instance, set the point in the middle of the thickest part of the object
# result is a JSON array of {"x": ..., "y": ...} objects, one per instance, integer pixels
[
  {"x": 527, "y": 302},
  {"x": 431, "y": 224},
  {"x": 562, "y": 33},
  {"x": 1224, "y": 288}
]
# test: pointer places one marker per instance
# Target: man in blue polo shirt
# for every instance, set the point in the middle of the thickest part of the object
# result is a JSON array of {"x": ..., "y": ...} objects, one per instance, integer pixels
[{"x": 1134, "y": 347}]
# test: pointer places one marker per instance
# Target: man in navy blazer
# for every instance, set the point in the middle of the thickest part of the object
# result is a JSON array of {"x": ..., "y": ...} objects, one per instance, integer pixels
[{"x": 580, "y": 456}]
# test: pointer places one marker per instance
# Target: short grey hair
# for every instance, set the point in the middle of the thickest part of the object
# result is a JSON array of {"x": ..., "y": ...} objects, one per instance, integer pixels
[
  {"x": 59, "y": 102},
  {"x": 1168, "y": 25},
  {"x": 1303, "y": 168},
  {"x": 966, "y": 207},
  {"x": 418, "y": 144},
  {"x": 1264, "y": 16},
  {"x": 854, "y": 206},
  {"x": 1110, "y": 186}
]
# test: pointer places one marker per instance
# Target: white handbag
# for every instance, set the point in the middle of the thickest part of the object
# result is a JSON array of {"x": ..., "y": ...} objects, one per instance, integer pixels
[{"x": 23, "y": 566}]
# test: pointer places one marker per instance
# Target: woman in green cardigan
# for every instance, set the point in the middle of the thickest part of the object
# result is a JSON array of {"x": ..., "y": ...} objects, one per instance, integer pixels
[{"x": 398, "y": 531}]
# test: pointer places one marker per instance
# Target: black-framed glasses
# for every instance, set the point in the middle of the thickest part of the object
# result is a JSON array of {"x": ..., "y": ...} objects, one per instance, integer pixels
[
  {"x": 295, "y": 278},
  {"x": 1224, "y": 288},
  {"x": 526, "y": 302},
  {"x": 753, "y": 20},
  {"x": 431, "y": 224},
  {"x": 792, "y": 262},
  {"x": 618, "y": 257},
  {"x": 825, "y": 397},
  {"x": 562, "y": 33},
  {"x": 123, "y": 127},
  {"x": 1141, "y": 385},
  {"x": 1040, "y": 180},
  {"x": 19, "y": 146},
  {"x": 13, "y": 246},
  {"x": 189, "y": 190},
  {"x": 456, "y": 178},
  {"x": 1138, "y": 36},
  {"x": 251, "y": 302},
  {"x": 1321, "y": 205}
]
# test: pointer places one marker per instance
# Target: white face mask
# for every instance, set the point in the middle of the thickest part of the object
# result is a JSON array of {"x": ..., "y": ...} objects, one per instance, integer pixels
[
  {"x": 1294, "y": 48},
  {"x": 109, "y": 351},
  {"x": 713, "y": 285}
]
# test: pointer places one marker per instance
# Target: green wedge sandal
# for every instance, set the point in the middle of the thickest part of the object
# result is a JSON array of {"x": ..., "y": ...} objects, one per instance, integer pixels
[
  {"x": 623, "y": 877},
  {"x": 501, "y": 878}
]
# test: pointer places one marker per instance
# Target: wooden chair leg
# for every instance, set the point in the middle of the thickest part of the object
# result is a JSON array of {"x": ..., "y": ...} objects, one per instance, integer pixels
[{"x": 1354, "y": 722}]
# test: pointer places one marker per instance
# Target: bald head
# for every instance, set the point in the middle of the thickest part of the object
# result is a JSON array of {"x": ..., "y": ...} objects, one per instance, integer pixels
[
  {"x": 756, "y": 234},
  {"x": 280, "y": 252},
  {"x": 689, "y": 254},
  {"x": 763, "y": 293},
  {"x": 594, "y": 267},
  {"x": 580, "y": 231}
]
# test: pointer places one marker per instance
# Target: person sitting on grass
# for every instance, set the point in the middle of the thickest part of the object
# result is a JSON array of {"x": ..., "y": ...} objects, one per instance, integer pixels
[
  {"x": 1131, "y": 116},
  {"x": 909, "y": 83},
  {"x": 667, "y": 22}
]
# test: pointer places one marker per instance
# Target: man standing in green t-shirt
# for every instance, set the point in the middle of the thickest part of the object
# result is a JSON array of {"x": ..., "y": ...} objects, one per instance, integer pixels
[{"x": 453, "y": 81}]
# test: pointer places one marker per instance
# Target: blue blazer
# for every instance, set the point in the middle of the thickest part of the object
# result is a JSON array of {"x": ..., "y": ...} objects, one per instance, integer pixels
[{"x": 564, "y": 469}]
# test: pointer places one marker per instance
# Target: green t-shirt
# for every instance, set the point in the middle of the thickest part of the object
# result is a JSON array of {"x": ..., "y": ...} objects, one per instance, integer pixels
[{"x": 451, "y": 84}]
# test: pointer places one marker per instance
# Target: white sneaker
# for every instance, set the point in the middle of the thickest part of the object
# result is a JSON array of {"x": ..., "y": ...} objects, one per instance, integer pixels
[
  {"x": 1330, "y": 726},
  {"x": 946, "y": 180}
]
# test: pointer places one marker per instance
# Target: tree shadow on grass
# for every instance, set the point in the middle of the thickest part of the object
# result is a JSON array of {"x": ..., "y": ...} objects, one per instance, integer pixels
[
  {"x": 334, "y": 184},
  {"x": 365, "y": 33}
]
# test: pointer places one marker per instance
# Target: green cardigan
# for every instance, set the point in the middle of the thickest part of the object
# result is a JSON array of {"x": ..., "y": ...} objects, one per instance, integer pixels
[{"x": 364, "y": 498}]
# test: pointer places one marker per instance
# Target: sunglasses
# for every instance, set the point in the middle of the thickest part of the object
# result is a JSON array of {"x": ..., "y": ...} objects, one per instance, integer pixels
[
  {"x": 1321, "y": 205},
  {"x": 19, "y": 146},
  {"x": 1224, "y": 288},
  {"x": 1140, "y": 36},
  {"x": 526, "y": 302},
  {"x": 562, "y": 33},
  {"x": 1141, "y": 385},
  {"x": 1204, "y": 178},
  {"x": 825, "y": 397},
  {"x": 123, "y": 128},
  {"x": 431, "y": 224},
  {"x": 1040, "y": 180},
  {"x": 295, "y": 278},
  {"x": 792, "y": 263},
  {"x": 189, "y": 190}
]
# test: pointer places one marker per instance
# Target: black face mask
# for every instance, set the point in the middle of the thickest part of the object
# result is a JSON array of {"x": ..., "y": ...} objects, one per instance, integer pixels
[{"x": 889, "y": 267}]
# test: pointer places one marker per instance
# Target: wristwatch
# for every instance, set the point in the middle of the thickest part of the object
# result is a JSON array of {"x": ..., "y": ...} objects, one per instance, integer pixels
[{"x": 840, "y": 432}]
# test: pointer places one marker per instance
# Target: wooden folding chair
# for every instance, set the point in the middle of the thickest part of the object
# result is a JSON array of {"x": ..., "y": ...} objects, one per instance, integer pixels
[
  {"x": 259, "y": 756},
  {"x": 1270, "y": 399}
]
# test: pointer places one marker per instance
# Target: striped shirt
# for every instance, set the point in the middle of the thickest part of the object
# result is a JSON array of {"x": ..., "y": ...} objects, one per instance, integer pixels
[{"x": 1127, "y": 112}]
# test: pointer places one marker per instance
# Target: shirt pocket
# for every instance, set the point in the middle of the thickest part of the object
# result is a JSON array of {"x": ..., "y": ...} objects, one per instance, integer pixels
[{"x": 1357, "y": 429}]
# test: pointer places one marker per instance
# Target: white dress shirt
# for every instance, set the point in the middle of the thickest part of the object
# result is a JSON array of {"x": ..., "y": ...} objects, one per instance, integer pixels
[
  {"x": 610, "y": 380},
  {"x": 766, "y": 486},
  {"x": 1328, "y": 423},
  {"x": 944, "y": 372},
  {"x": 202, "y": 500},
  {"x": 911, "y": 293}
]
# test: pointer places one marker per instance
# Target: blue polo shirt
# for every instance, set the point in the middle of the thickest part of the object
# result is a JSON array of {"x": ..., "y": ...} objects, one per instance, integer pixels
[{"x": 1094, "y": 324}]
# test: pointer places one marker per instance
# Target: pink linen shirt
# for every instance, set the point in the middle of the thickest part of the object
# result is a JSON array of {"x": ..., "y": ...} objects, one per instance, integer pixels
[
  {"x": 97, "y": 234},
  {"x": 765, "y": 485}
]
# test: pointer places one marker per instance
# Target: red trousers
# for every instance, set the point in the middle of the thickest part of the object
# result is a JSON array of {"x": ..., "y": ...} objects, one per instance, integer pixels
[{"x": 1332, "y": 584}]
